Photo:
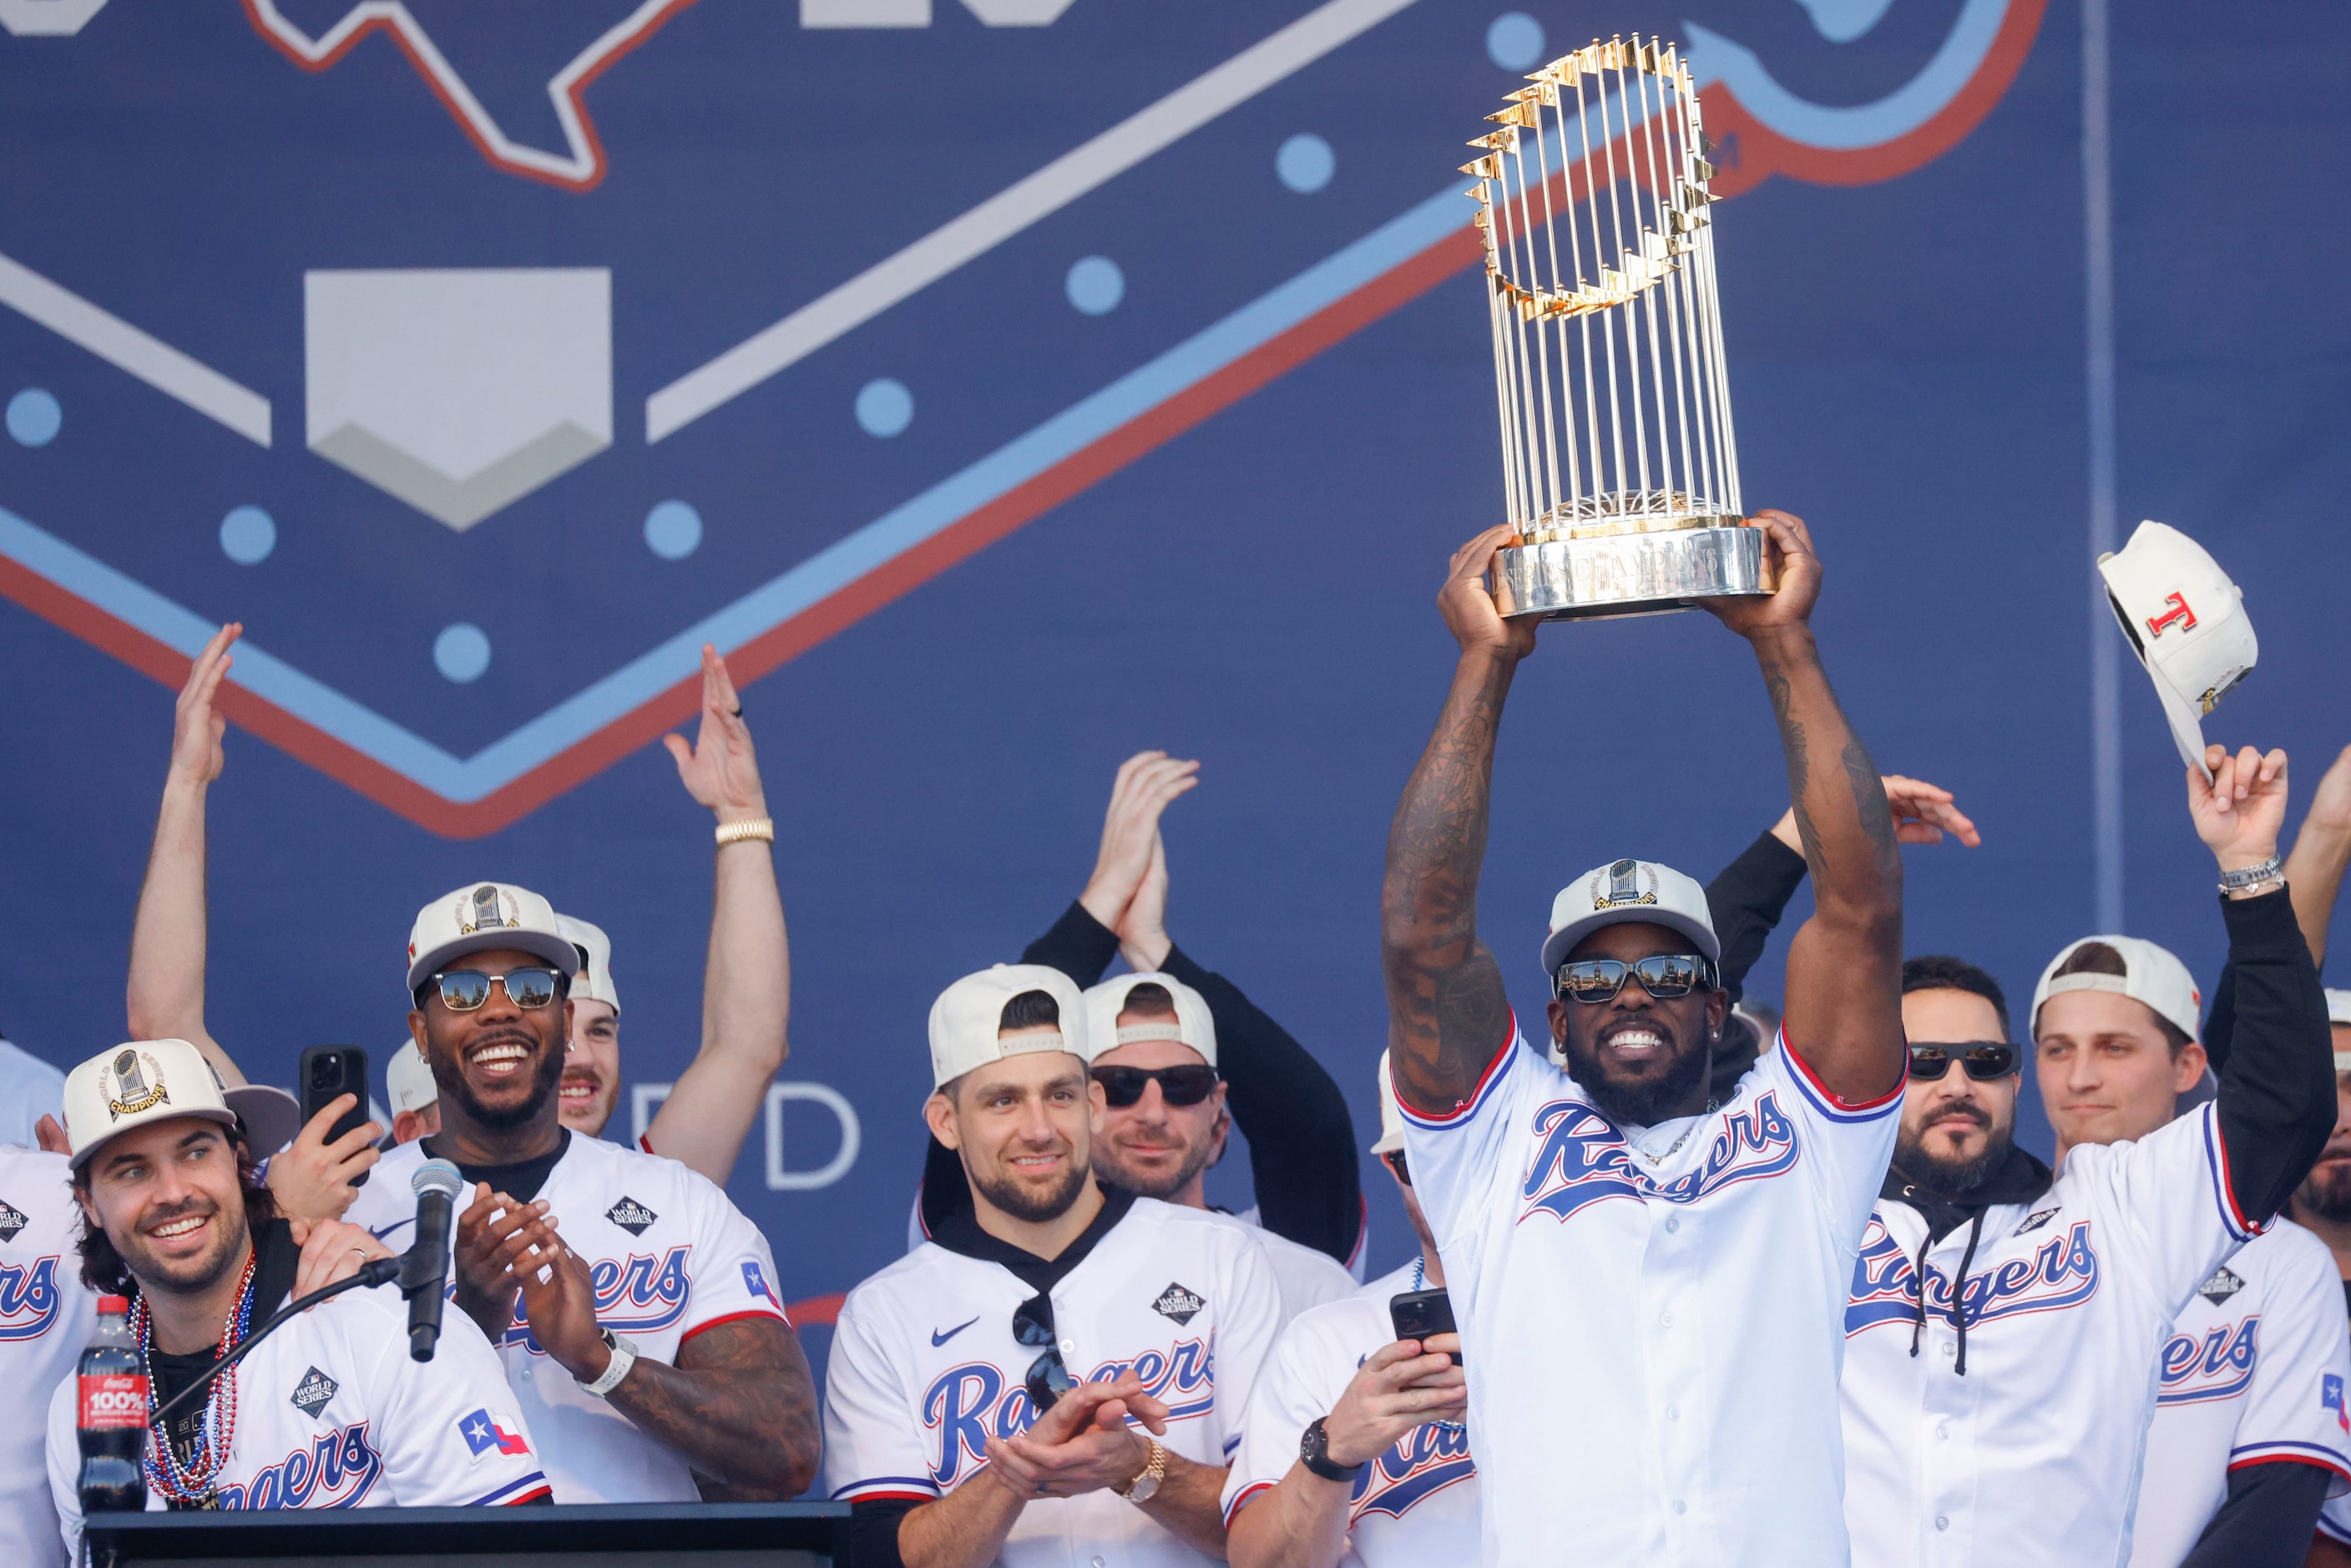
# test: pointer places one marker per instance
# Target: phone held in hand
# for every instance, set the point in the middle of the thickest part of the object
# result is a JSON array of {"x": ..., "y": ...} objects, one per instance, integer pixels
[
  {"x": 1418, "y": 1314},
  {"x": 326, "y": 1071}
]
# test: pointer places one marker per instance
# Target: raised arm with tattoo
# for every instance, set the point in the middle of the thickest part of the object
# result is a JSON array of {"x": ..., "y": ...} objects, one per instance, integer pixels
[
  {"x": 1844, "y": 965},
  {"x": 747, "y": 990},
  {"x": 1448, "y": 1014}
]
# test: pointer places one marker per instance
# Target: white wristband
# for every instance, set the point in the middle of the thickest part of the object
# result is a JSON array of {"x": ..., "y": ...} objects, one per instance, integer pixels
[{"x": 624, "y": 1356}]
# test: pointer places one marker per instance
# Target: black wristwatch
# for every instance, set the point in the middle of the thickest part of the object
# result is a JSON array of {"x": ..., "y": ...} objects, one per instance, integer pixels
[{"x": 1314, "y": 1453}]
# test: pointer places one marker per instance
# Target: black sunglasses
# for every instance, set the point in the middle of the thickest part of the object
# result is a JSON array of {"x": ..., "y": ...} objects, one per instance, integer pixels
[
  {"x": 1185, "y": 1085},
  {"x": 464, "y": 990},
  {"x": 1664, "y": 976},
  {"x": 1982, "y": 1058},
  {"x": 1394, "y": 1158},
  {"x": 1049, "y": 1378}
]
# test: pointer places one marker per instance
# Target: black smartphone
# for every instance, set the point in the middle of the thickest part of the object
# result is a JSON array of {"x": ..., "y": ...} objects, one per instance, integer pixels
[
  {"x": 1417, "y": 1315},
  {"x": 326, "y": 1071}
]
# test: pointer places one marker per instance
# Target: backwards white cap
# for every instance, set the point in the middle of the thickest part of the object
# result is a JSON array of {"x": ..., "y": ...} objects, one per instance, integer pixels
[
  {"x": 480, "y": 917},
  {"x": 1192, "y": 1024},
  {"x": 1623, "y": 891},
  {"x": 2151, "y": 974},
  {"x": 2186, "y": 621},
  {"x": 594, "y": 981},
  {"x": 966, "y": 1018},
  {"x": 408, "y": 1081},
  {"x": 1391, "y": 1113},
  {"x": 2338, "y": 1012}
]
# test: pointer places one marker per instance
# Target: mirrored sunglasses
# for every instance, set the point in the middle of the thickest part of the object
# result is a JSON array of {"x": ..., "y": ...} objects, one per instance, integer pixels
[
  {"x": 1664, "y": 976},
  {"x": 464, "y": 990}
]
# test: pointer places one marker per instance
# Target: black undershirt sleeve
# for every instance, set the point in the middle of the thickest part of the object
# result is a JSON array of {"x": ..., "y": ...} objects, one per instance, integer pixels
[
  {"x": 1746, "y": 901},
  {"x": 874, "y": 1533},
  {"x": 2276, "y": 1101},
  {"x": 2268, "y": 1521},
  {"x": 1301, "y": 1140},
  {"x": 1079, "y": 945}
]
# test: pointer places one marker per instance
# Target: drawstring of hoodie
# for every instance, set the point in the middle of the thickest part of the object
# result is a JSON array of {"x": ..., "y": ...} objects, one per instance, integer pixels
[{"x": 1959, "y": 1293}]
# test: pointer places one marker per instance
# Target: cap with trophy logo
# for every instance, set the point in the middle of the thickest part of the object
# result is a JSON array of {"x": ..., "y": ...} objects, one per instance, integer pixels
[
  {"x": 145, "y": 1081},
  {"x": 1620, "y": 470},
  {"x": 482, "y": 916},
  {"x": 2186, "y": 621}
]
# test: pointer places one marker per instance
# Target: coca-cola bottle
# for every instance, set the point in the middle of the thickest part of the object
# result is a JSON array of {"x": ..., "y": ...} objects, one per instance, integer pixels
[{"x": 112, "y": 1384}]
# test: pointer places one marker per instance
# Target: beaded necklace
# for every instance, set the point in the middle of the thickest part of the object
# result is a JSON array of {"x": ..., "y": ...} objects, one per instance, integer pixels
[
  {"x": 1419, "y": 1279},
  {"x": 193, "y": 1483}
]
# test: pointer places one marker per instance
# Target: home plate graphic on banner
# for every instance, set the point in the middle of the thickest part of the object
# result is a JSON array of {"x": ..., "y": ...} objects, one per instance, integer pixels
[{"x": 636, "y": 279}]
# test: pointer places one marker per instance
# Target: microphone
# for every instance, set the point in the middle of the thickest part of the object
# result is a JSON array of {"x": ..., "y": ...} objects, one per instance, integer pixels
[{"x": 425, "y": 1271}]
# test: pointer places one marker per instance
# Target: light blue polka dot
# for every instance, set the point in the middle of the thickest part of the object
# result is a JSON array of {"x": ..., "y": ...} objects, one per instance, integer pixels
[
  {"x": 1305, "y": 162},
  {"x": 672, "y": 530},
  {"x": 1515, "y": 41},
  {"x": 33, "y": 417},
  {"x": 462, "y": 651},
  {"x": 248, "y": 535},
  {"x": 1095, "y": 284},
  {"x": 884, "y": 407}
]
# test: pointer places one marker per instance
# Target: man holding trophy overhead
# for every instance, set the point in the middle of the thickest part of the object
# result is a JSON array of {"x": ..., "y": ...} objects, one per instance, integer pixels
[{"x": 1654, "y": 1282}]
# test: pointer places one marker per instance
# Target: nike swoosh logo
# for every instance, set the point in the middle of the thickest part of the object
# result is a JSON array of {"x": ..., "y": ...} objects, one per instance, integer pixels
[
  {"x": 388, "y": 1230},
  {"x": 938, "y": 1339}
]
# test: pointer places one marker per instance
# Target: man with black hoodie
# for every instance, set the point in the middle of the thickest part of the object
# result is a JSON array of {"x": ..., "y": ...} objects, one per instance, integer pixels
[{"x": 1999, "y": 1413}]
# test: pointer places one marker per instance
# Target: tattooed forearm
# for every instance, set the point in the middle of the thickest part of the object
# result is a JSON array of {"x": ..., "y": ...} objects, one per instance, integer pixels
[
  {"x": 1448, "y": 1012},
  {"x": 741, "y": 1410},
  {"x": 1841, "y": 817}
]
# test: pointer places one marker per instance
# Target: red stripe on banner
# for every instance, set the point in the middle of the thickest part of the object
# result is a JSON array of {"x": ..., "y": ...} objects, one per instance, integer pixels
[{"x": 824, "y": 1309}]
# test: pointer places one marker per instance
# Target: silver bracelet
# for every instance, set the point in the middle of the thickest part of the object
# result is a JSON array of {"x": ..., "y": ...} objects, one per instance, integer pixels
[{"x": 2251, "y": 875}]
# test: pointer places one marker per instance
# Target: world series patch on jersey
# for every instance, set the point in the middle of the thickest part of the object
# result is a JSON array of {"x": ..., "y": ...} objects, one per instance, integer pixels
[
  {"x": 671, "y": 1258},
  {"x": 2007, "y": 1464},
  {"x": 1687, "y": 1279},
  {"x": 2246, "y": 1378},
  {"x": 925, "y": 1370},
  {"x": 332, "y": 1412},
  {"x": 46, "y": 1315},
  {"x": 1413, "y": 1506}
]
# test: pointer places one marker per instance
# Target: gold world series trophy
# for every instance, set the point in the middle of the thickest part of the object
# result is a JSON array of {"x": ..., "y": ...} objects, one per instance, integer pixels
[{"x": 1619, "y": 468}]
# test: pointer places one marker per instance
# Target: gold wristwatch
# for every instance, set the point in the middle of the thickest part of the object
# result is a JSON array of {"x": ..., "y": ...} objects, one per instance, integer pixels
[{"x": 1146, "y": 1487}]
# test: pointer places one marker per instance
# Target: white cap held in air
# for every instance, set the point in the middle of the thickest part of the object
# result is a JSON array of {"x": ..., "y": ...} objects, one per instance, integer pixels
[
  {"x": 968, "y": 1019},
  {"x": 2186, "y": 621},
  {"x": 2152, "y": 976},
  {"x": 1192, "y": 1024}
]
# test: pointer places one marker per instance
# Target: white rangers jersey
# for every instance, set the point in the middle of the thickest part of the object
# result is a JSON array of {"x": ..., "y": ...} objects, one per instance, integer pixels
[
  {"x": 2033, "y": 1455},
  {"x": 1651, "y": 1316},
  {"x": 1416, "y": 1506},
  {"x": 671, "y": 1257},
  {"x": 332, "y": 1412},
  {"x": 46, "y": 1315},
  {"x": 925, "y": 1369},
  {"x": 1306, "y": 1278},
  {"x": 2253, "y": 1374}
]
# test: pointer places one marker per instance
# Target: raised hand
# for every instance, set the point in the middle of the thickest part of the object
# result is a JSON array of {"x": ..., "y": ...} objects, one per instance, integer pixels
[
  {"x": 314, "y": 1179},
  {"x": 720, "y": 769},
  {"x": 494, "y": 1234},
  {"x": 196, "y": 728},
  {"x": 1788, "y": 547},
  {"x": 559, "y": 1300},
  {"x": 1142, "y": 929},
  {"x": 1923, "y": 814},
  {"x": 1146, "y": 782},
  {"x": 1401, "y": 1386},
  {"x": 2242, "y": 812},
  {"x": 1471, "y": 613},
  {"x": 2330, "y": 803}
]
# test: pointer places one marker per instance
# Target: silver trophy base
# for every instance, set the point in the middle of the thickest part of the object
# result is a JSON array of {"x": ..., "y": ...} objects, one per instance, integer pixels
[{"x": 1632, "y": 574}]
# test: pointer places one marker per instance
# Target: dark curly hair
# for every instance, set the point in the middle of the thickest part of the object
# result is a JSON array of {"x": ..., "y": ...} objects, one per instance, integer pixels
[{"x": 102, "y": 1268}]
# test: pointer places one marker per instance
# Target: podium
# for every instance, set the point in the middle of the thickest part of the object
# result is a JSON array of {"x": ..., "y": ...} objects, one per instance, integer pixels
[{"x": 641, "y": 1535}]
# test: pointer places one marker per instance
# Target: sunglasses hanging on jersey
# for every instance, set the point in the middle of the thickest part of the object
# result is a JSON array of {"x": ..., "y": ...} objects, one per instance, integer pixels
[
  {"x": 1185, "y": 1085},
  {"x": 1983, "y": 1059},
  {"x": 1394, "y": 1158},
  {"x": 1664, "y": 976},
  {"x": 1049, "y": 1377}
]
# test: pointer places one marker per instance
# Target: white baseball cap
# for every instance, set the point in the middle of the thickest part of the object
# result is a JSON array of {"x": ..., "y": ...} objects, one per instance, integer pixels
[
  {"x": 1192, "y": 1024},
  {"x": 408, "y": 1081},
  {"x": 2338, "y": 1011},
  {"x": 1391, "y": 1113},
  {"x": 138, "y": 1081},
  {"x": 2186, "y": 621},
  {"x": 594, "y": 982},
  {"x": 481, "y": 916},
  {"x": 1624, "y": 891},
  {"x": 2152, "y": 976},
  {"x": 968, "y": 1015}
]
